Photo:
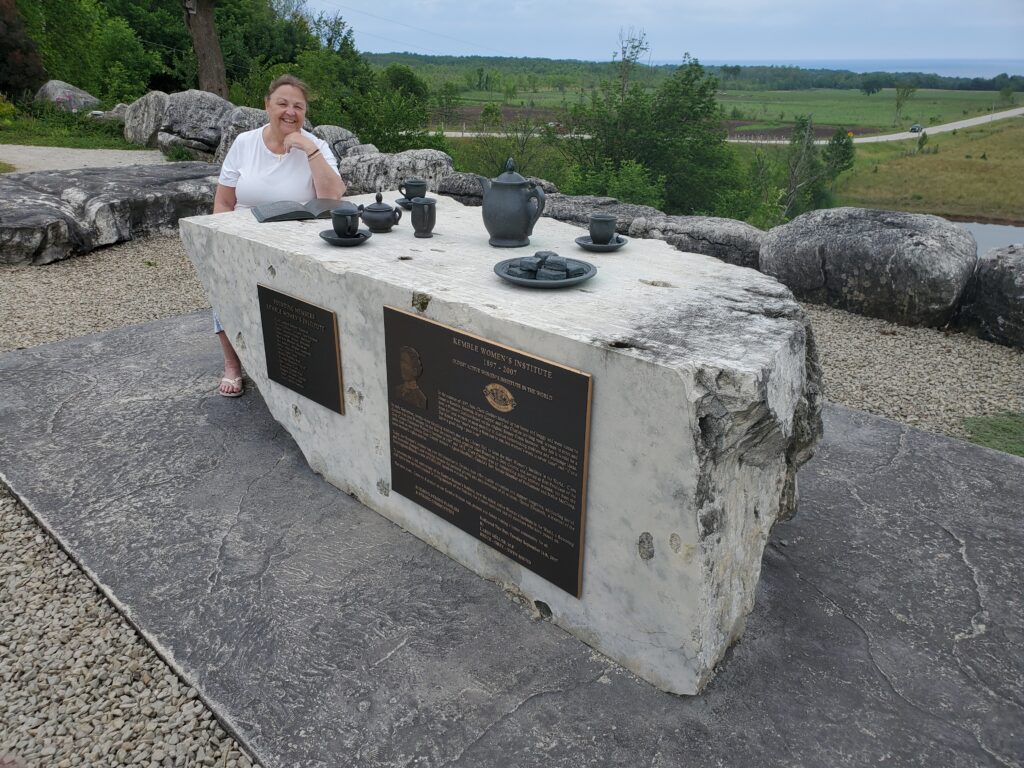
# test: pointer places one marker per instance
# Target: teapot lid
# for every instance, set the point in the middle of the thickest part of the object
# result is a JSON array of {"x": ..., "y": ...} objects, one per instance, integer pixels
[
  {"x": 379, "y": 205},
  {"x": 510, "y": 176}
]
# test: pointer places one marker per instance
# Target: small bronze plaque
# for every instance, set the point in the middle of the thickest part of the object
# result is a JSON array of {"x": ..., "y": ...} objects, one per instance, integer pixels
[
  {"x": 301, "y": 344},
  {"x": 491, "y": 439}
]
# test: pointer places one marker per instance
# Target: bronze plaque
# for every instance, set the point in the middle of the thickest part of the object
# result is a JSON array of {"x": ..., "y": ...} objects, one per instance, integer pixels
[
  {"x": 301, "y": 344},
  {"x": 491, "y": 439}
]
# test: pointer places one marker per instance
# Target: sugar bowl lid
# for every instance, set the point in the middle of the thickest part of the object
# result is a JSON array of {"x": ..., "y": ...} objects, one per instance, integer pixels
[{"x": 380, "y": 205}]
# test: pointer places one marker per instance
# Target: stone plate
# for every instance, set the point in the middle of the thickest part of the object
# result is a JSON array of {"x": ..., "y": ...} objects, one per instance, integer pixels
[
  {"x": 589, "y": 245},
  {"x": 404, "y": 202},
  {"x": 501, "y": 270},
  {"x": 346, "y": 242}
]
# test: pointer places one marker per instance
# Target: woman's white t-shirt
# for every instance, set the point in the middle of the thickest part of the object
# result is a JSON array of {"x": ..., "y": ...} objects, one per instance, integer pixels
[{"x": 259, "y": 176}]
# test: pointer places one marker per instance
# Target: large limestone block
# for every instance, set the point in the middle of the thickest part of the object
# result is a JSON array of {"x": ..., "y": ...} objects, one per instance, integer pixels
[
  {"x": 46, "y": 216},
  {"x": 994, "y": 304},
  {"x": 904, "y": 267},
  {"x": 340, "y": 140},
  {"x": 143, "y": 118},
  {"x": 376, "y": 171},
  {"x": 195, "y": 116},
  {"x": 66, "y": 96},
  {"x": 705, "y": 402},
  {"x": 238, "y": 120}
]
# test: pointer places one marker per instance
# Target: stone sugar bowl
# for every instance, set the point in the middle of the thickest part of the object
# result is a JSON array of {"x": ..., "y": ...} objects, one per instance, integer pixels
[{"x": 379, "y": 216}]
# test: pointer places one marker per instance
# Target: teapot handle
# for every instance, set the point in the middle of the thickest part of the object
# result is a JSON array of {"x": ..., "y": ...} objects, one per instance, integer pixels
[{"x": 537, "y": 194}]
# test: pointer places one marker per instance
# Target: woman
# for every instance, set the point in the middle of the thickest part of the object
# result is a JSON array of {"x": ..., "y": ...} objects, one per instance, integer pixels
[{"x": 279, "y": 161}]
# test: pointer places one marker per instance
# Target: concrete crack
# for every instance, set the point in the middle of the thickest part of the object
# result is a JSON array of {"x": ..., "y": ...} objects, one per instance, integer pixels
[
  {"x": 214, "y": 577},
  {"x": 511, "y": 713},
  {"x": 972, "y": 730}
]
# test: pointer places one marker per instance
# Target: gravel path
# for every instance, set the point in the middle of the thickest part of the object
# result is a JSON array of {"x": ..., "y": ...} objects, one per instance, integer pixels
[
  {"x": 77, "y": 684},
  {"x": 27, "y": 158}
]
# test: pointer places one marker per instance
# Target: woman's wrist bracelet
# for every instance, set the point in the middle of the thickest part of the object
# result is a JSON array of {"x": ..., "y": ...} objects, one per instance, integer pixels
[{"x": 313, "y": 154}]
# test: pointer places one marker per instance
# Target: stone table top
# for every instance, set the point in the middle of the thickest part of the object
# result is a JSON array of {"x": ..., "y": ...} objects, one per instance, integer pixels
[{"x": 646, "y": 299}]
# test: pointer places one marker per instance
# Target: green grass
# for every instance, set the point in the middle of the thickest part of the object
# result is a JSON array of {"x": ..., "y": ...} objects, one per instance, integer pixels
[
  {"x": 51, "y": 128},
  {"x": 6, "y": 168},
  {"x": 1004, "y": 432},
  {"x": 974, "y": 174},
  {"x": 852, "y": 108}
]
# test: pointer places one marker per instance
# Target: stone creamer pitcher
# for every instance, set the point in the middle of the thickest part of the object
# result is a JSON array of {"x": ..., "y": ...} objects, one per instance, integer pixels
[{"x": 511, "y": 207}]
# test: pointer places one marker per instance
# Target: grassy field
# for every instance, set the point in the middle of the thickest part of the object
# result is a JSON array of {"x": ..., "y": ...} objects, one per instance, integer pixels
[
  {"x": 854, "y": 109},
  {"x": 64, "y": 130},
  {"x": 974, "y": 174}
]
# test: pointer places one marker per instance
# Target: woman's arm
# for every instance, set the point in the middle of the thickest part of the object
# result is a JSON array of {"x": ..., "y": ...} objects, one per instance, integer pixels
[
  {"x": 224, "y": 199},
  {"x": 326, "y": 181}
]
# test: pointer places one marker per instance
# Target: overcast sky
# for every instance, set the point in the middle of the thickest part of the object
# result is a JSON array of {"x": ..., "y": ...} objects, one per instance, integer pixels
[{"x": 711, "y": 30}]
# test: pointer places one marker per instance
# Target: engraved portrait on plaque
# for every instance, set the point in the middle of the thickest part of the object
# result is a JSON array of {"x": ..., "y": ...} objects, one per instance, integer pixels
[
  {"x": 301, "y": 345},
  {"x": 491, "y": 439}
]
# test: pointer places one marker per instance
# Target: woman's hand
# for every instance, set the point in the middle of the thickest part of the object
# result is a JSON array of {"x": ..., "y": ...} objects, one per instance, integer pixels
[{"x": 298, "y": 141}]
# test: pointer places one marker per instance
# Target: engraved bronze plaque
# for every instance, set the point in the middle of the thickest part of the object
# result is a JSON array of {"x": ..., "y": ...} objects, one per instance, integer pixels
[
  {"x": 491, "y": 439},
  {"x": 301, "y": 344}
]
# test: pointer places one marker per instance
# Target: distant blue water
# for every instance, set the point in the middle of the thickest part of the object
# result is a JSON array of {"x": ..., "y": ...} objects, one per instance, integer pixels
[{"x": 944, "y": 67}]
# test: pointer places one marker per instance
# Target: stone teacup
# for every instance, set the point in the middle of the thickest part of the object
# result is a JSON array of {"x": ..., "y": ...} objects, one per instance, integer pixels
[
  {"x": 424, "y": 216},
  {"x": 345, "y": 220},
  {"x": 413, "y": 188},
  {"x": 602, "y": 228}
]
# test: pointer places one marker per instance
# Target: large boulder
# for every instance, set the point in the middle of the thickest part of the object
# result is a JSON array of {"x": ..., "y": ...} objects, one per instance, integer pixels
[
  {"x": 192, "y": 119},
  {"x": 993, "y": 305},
  {"x": 143, "y": 118},
  {"x": 340, "y": 140},
  {"x": 734, "y": 242},
  {"x": 66, "y": 96},
  {"x": 238, "y": 120},
  {"x": 376, "y": 171},
  {"x": 46, "y": 216},
  {"x": 907, "y": 268}
]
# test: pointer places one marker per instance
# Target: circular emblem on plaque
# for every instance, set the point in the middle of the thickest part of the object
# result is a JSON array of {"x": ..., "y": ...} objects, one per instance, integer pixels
[{"x": 499, "y": 398}]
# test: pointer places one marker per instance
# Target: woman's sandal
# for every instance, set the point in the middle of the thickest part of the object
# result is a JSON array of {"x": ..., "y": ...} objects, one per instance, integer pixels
[{"x": 234, "y": 383}]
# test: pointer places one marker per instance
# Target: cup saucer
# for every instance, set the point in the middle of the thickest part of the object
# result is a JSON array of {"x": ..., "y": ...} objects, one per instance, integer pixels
[
  {"x": 346, "y": 242},
  {"x": 405, "y": 203},
  {"x": 587, "y": 244}
]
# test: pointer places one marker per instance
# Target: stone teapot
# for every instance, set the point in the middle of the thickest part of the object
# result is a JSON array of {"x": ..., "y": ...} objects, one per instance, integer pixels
[{"x": 511, "y": 207}]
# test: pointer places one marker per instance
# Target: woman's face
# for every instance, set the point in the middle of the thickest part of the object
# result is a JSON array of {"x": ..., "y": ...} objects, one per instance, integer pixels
[{"x": 286, "y": 108}]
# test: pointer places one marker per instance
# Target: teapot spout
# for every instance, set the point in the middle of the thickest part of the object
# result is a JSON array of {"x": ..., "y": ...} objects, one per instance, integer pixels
[{"x": 484, "y": 182}]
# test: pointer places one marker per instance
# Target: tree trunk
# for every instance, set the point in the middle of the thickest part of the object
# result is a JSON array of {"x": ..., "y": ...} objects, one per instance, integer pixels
[{"x": 210, "y": 60}]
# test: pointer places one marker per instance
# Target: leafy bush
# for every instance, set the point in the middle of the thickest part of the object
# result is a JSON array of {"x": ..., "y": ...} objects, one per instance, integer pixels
[{"x": 631, "y": 182}]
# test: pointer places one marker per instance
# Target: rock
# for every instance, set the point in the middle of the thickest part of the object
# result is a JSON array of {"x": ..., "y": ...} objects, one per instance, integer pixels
[
  {"x": 143, "y": 118},
  {"x": 734, "y": 242},
  {"x": 66, "y": 96},
  {"x": 195, "y": 150},
  {"x": 377, "y": 171},
  {"x": 362, "y": 149},
  {"x": 465, "y": 187},
  {"x": 993, "y": 305},
  {"x": 341, "y": 140},
  {"x": 238, "y": 120},
  {"x": 46, "y": 216},
  {"x": 903, "y": 267},
  {"x": 194, "y": 117}
]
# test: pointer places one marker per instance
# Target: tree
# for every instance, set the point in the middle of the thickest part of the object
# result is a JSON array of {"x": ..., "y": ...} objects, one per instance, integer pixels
[
  {"x": 202, "y": 28},
  {"x": 871, "y": 85},
  {"x": 805, "y": 171},
  {"x": 399, "y": 77},
  {"x": 904, "y": 92},
  {"x": 839, "y": 154},
  {"x": 21, "y": 68}
]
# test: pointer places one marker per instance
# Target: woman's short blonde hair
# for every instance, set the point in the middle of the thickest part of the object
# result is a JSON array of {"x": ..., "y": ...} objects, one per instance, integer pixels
[{"x": 291, "y": 80}]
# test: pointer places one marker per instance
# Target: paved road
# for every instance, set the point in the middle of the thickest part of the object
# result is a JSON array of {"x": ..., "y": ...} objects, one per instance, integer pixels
[
  {"x": 25, "y": 158},
  {"x": 904, "y": 135}
]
